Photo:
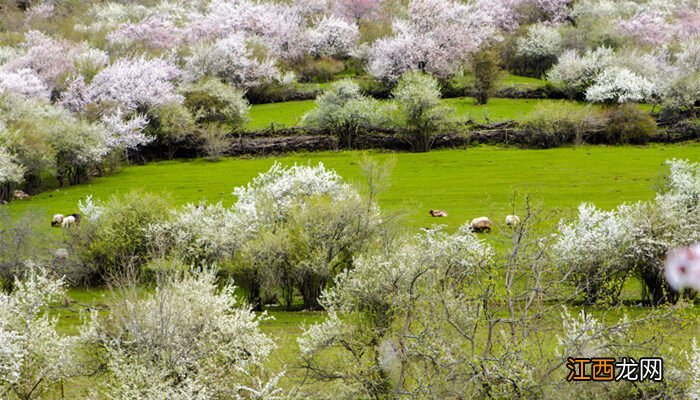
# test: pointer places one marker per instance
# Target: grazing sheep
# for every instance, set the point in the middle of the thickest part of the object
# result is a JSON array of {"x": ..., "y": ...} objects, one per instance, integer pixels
[
  {"x": 438, "y": 213},
  {"x": 61, "y": 254},
  {"x": 481, "y": 224},
  {"x": 512, "y": 220},
  {"x": 19, "y": 195},
  {"x": 57, "y": 220},
  {"x": 68, "y": 221},
  {"x": 76, "y": 216}
]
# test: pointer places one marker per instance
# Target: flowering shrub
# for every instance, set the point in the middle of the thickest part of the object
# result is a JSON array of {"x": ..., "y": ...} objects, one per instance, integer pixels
[
  {"x": 33, "y": 356},
  {"x": 603, "y": 247},
  {"x": 126, "y": 133},
  {"x": 540, "y": 47},
  {"x": 357, "y": 10},
  {"x": 418, "y": 112},
  {"x": 574, "y": 73},
  {"x": 154, "y": 32},
  {"x": 212, "y": 101},
  {"x": 50, "y": 58},
  {"x": 25, "y": 83},
  {"x": 89, "y": 62},
  {"x": 620, "y": 85},
  {"x": 400, "y": 307},
  {"x": 593, "y": 247},
  {"x": 11, "y": 174},
  {"x": 201, "y": 235},
  {"x": 189, "y": 339},
  {"x": 270, "y": 197}
]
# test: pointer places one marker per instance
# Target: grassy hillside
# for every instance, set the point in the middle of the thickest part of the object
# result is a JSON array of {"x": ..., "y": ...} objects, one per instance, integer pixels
[{"x": 467, "y": 183}]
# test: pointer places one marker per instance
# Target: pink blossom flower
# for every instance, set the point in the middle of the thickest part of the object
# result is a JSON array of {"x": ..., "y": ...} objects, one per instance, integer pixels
[{"x": 683, "y": 268}]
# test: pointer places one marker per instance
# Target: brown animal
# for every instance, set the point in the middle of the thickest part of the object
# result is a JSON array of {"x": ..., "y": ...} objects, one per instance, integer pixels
[
  {"x": 481, "y": 224},
  {"x": 438, "y": 213}
]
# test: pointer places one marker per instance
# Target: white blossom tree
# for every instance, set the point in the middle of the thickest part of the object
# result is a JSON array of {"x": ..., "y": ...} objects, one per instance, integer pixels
[
  {"x": 33, "y": 356},
  {"x": 333, "y": 36},
  {"x": 231, "y": 60},
  {"x": 620, "y": 85},
  {"x": 11, "y": 173},
  {"x": 188, "y": 340}
]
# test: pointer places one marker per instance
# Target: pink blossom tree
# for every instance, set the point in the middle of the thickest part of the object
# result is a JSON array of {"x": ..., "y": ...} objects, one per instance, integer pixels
[
  {"x": 23, "y": 82},
  {"x": 357, "y": 10},
  {"x": 50, "y": 58},
  {"x": 437, "y": 37},
  {"x": 156, "y": 32},
  {"x": 135, "y": 83},
  {"x": 231, "y": 60}
]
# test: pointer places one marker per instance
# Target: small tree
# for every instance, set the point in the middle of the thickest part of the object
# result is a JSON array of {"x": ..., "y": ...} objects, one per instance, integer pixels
[
  {"x": 418, "y": 112},
  {"x": 345, "y": 111},
  {"x": 11, "y": 174},
  {"x": 215, "y": 141},
  {"x": 486, "y": 75},
  {"x": 212, "y": 101}
]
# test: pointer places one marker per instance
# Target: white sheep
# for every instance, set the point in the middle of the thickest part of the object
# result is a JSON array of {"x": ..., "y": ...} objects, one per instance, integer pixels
[
  {"x": 438, "y": 213},
  {"x": 68, "y": 221},
  {"x": 481, "y": 224},
  {"x": 512, "y": 220},
  {"x": 57, "y": 220}
]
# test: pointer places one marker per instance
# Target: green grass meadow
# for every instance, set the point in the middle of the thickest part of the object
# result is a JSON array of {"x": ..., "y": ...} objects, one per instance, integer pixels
[{"x": 467, "y": 183}]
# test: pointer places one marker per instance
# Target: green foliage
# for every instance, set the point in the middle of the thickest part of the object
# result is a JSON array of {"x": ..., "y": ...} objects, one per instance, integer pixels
[
  {"x": 319, "y": 70},
  {"x": 21, "y": 239},
  {"x": 418, "y": 112},
  {"x": 344, "y": 110},
  {"x": 627, "y": 123},
  {"x": 114, "y": 237},
  {"x": 212, "y": 101},
  {"x": 173, "y": 124},
  {"x": 215, "y": 140},
  {"x": 557, "y": 124},
  {"x": 486, "y": 74}
]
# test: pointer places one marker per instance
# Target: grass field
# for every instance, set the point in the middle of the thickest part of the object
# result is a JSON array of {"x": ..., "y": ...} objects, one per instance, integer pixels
[
  {"x": 498, "y": 109},
  {"x": 467, "y": 183}
]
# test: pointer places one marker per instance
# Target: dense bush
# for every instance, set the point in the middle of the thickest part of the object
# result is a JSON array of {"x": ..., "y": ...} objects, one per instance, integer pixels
[
  {"x": 292, "y": 229},
  {"x": 172, "y": 125},
  {"x": 606, "y": 247},
  {"x": 33, "y": 355},
  {"x": 626, "y": 123},
  {"x": 112, "y": 236},
  {"x": 485, "y": 69},
  {"x": 189, "y": 338},
  {"x": 211, "y": 101},
  {"x": 319, "y": 70},
  {"x": 558, "y": 124},
  {"x": 342, "y": 109},
  {"x": 418, "y": 113}
]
